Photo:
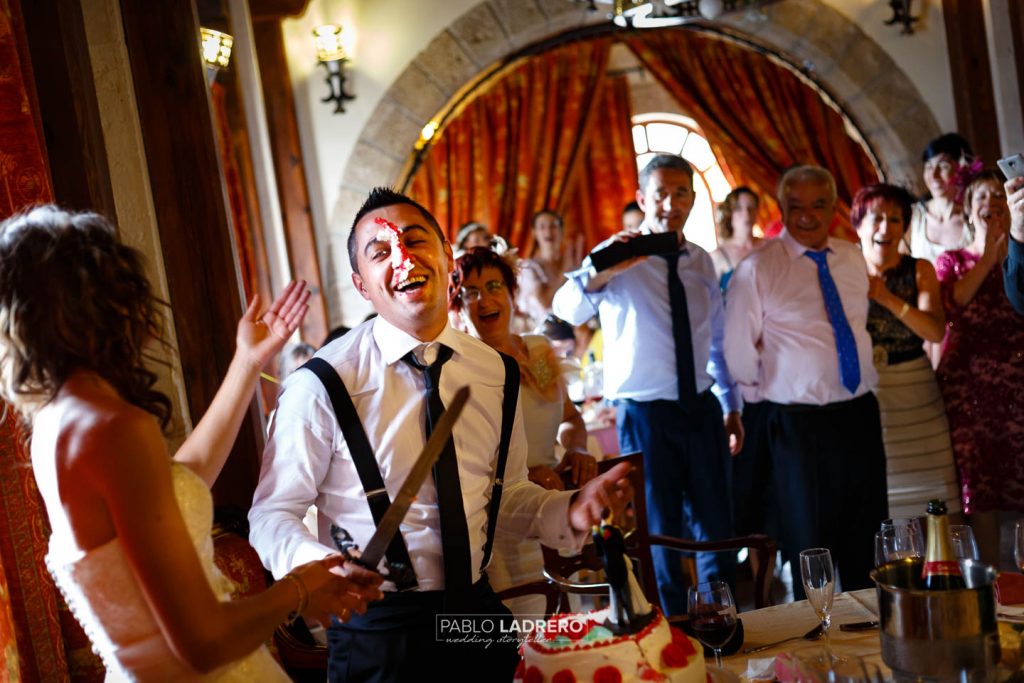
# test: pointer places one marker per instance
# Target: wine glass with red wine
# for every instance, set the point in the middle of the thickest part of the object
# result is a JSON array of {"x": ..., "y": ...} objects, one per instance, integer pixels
[{"x": 712, "y": 615}]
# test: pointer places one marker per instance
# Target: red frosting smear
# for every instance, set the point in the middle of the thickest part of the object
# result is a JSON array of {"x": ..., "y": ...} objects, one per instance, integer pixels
[
  {"x": 607, "y": 674},
  {"x": 564, "y": 676},
  {"x": 520, "y": 668},
  {"x": 673, "y": 656},
  {"x": 399, "y": 262},
  {"x": 680, "y": 639},
  {"x": 533, "y": 675}
]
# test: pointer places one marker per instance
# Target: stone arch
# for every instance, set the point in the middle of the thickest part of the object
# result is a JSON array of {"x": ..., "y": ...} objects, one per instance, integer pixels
[{"x": 858, "y": 75}]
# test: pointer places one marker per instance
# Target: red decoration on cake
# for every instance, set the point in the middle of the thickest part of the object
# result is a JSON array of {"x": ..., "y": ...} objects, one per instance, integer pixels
[
  {"x": 607, "y": 674},
  {"x": 564, "y": 676},
  {"x": 533, "y": 675},
  {"x": 521, "y": 667},
  {"x": 673, "y": 656},
  {"x": 681, "y": 639},
  {"x": 649, "y": 674}
]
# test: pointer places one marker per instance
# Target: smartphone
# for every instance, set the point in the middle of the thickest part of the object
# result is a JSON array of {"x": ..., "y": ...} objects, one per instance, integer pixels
[{"x": 1012, "y": 166}]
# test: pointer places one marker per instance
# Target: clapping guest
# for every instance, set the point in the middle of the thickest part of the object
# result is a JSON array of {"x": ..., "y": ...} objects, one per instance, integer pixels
[
  {"x": 735, "y": 218},
  {"x": 483, "y": 286},
  {"x": 937, "y": 223},
  {"x": 905, "y": 309},
  {"x": 131, "y": 546},
  {"x": 982, "y": 367}
]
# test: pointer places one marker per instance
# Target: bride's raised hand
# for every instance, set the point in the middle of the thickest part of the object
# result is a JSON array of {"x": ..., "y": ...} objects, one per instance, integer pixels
[{"x": 261, "y": 336}]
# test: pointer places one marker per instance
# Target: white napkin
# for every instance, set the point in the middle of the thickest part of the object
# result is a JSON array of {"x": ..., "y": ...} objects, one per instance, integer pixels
[{"x": 760, "y": 669}]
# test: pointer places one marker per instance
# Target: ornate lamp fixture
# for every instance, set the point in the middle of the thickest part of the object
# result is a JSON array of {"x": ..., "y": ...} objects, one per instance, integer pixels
[
  {"x": 652, "y": 13},
  {"x": 216, "y": 51},
  {"x": 331, "y": 53}
]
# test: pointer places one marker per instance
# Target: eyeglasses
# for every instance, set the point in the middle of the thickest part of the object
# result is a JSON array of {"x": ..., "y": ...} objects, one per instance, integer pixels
[{"x": 472, "y": 294}]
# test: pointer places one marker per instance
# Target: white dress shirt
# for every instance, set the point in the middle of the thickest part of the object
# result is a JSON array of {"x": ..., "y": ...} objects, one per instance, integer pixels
[
  {"x": 779, "y": 342},
  {"x": 636, "y": 322},
  {"x": 307, "y": 460}
]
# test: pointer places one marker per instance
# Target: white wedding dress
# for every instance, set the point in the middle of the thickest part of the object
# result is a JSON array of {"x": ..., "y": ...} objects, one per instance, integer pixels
[{"x": 103, "y": 594}]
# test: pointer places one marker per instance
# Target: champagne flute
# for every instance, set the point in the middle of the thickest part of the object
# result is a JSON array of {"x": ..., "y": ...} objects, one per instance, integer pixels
[
  {"x": 1018, "y": 545},
  {"x": 819, "y": 583},
  {"x": 712, "y": 612}
]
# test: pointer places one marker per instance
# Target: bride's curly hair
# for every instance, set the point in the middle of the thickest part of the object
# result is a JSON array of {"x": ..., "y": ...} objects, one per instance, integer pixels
[{"x": 72, "y": 296}]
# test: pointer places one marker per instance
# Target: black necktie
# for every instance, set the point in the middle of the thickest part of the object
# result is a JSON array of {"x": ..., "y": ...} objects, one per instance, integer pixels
[
  {"x": 454, "y": 531},
  {"x": 681, "y": 334}
]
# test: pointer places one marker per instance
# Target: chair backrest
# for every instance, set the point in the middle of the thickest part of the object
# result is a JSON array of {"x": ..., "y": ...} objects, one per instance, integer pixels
[{"x": 558, "y": 568}]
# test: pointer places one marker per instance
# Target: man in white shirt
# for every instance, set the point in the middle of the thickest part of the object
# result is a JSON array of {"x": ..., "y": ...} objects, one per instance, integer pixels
[
  {"x": 796, "y": 338},
  {"x": 662, "y": 323},
  {"x": 401, "y": 263}
]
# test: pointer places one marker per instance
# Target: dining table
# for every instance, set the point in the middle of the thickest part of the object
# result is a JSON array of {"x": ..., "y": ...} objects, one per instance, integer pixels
[{"x": 794, "y": 619}]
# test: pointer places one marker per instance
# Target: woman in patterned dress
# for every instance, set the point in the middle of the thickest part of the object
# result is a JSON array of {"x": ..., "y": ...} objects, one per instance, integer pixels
[
  {"x": 905, "y": 309},
  {"x": 982, "y": 367}
]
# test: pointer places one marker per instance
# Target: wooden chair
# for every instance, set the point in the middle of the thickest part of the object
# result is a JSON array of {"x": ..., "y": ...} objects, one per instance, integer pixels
[{"x": 638, "y": 546}]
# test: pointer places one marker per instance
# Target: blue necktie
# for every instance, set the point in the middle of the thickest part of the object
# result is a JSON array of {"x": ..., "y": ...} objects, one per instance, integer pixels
[{"x": 846, "y": 346}]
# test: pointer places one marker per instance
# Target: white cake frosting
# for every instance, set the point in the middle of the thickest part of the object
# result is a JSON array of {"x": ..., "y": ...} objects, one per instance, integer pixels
[{"x": 578, "y": 647}]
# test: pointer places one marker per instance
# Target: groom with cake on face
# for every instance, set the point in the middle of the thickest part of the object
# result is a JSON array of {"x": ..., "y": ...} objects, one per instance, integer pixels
[{"x": 397, "y": 372}]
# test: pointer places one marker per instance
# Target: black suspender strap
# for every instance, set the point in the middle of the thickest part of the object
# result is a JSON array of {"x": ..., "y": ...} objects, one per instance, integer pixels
[
  {"x": 362, "y": 456},
  {"x": 508, "y": 418}
]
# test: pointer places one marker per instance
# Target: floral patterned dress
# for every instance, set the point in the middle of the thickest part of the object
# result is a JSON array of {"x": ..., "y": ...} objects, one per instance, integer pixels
[{"x": 982, "y": 380}]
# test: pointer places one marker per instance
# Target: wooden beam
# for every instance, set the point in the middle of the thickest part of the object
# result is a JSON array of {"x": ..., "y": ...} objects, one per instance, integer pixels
[
  {"x": 189, "y": 198},
  {"x": 69, "y": 112},
  {"x": 973, "y": 92},
  {"x": 293, "y": 192}
]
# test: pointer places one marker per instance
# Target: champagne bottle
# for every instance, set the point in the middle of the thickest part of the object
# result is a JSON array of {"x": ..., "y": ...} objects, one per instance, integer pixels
[{"x": 941, "y": 569}]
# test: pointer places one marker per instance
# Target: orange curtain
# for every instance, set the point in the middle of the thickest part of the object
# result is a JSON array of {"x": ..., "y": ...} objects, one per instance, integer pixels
[
  {"x": 605, "y": 181},
  {"x": 510, "y": 152},
  {"x": 756, "y": 114},
  {"x": 39, "y": 639}
]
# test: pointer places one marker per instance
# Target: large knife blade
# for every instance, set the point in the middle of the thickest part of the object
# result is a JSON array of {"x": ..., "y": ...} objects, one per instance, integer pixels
[{"x": 392, "y": 519}]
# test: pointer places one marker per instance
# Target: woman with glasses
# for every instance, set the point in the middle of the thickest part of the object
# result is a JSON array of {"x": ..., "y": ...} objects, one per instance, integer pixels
[{"x": 482, "y": 290}]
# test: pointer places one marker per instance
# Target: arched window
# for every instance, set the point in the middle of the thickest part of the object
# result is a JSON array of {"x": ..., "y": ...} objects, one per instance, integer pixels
[{"x": 674, "y": 134}]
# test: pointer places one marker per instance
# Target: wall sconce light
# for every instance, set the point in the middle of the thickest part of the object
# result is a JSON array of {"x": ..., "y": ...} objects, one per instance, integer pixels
[
  {"x": 331, "y": 53},
  {"x": 216, "y": 51},
  {"x": 902, "y": 14},
  {"x": 426, "y": 133}
]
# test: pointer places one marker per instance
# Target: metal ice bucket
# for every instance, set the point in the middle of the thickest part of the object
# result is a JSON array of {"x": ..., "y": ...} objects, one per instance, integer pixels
[{"x": 936, "y": 634}]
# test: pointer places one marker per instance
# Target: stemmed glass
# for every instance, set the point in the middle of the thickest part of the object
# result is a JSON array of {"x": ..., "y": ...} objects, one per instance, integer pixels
[
  {"x": 965, "y": 547},
  {"x": 898, "y": 539},
  {"x": 712, "y": 615},
  {"x": 1018, "y": 545},
  {"x": 819, "y": 584}
]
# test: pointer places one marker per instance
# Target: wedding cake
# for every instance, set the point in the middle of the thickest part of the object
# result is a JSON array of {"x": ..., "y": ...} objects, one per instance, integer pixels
[{"x": 581, "y": 647}]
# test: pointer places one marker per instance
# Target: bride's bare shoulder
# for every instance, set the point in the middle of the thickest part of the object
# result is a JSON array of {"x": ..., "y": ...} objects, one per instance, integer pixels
[{"x": 95, "y": 426}]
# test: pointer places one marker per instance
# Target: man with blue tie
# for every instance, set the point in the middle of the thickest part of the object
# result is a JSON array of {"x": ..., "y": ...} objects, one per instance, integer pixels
[
  {"x": 662, "y": 321},
  {"x": 796, "y": 338}
]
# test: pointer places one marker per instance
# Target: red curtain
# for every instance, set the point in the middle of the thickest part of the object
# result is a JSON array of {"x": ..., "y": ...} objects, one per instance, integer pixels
[
  {"x": 756, "y": 114},
  {"x": 44, "y": 642},
  {"x": 605, "y": 180},
  {"x": 510, "y": 151}
]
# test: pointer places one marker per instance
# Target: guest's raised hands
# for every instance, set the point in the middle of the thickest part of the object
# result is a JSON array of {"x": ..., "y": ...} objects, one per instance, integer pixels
[
  {"x": 262, "y": 335},
  {"x": 1014, "y": 188}
]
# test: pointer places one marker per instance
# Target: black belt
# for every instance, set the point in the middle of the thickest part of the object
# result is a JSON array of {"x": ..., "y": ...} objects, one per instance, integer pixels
[
  {"x": 904, "y": 356},
  {"x": 826, "y": 408}
]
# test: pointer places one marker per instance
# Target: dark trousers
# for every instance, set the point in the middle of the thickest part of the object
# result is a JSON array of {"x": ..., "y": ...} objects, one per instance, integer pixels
[
  {"x": 686, "y": 472},
  {"x": 406, "y": 636},
  {"x": 829, "y": 475},
  {"x": 755, "y": 509}
]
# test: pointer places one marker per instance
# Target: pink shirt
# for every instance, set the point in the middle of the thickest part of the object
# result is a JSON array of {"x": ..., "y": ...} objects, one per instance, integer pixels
[{"x": 779, "y": 343}]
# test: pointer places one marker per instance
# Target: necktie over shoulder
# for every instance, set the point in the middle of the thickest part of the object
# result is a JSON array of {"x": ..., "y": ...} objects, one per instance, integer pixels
[{"x": 846, "y": 345}]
